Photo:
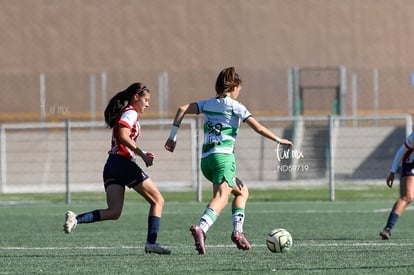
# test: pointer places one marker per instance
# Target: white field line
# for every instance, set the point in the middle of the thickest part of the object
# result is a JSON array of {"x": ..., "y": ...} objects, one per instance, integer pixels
[
  {"x": 325, "y": 211},
  {"x": 304, "y": 244},
  {"x": 389, "y": 209}
]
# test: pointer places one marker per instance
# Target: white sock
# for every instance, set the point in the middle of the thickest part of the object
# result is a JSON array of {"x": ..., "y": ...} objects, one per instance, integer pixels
[
  {"x": 208, "y": 219},
  {"x": 238, "y": 220}
]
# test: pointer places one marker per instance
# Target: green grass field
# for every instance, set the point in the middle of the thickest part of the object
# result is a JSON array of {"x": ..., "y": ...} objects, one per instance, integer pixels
[{"x": 339, "y": 237}]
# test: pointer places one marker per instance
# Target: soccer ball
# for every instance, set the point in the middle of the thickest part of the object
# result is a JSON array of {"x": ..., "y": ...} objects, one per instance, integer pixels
[{"x": 279, "y": 240}]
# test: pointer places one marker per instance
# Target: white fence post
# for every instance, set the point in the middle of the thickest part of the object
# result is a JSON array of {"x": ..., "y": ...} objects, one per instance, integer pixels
[
  {"x": 3, "y": 159},
  {"x": 342, "y": 89},
  {"x": 354, "y": 83},
  {"x": 375, "y": 90},
  {"x": 92, "y": 83},
  {"x": 104, "y": 88},
  {"x": 199, "y": 186},
  {"x": 331, "y": 166},
  {"x": 68, "y": 160},
  {"x": 42, "y": 90},
  {"x": 163, "y": 94}
]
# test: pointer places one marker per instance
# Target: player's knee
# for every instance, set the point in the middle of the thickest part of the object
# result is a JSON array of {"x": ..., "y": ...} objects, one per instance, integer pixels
[
  {"x": 157, "y": 201},
  {"x": 245, "y": 191},
  {"x": 160, "y": 201},
  {"x": 114, "y": 215},
  {"x": 241, "y": 188},
  {"x": 408, "y": 198}
]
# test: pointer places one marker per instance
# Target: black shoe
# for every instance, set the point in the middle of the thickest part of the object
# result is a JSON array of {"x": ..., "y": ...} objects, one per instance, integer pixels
[{"x": 385, "y": 233}]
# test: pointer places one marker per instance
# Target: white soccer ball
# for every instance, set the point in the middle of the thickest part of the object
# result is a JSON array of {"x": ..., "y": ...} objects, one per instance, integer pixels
[{"x": 279, "y": 240}]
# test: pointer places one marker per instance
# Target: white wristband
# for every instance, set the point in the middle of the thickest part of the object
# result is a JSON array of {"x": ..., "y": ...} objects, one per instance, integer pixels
[
  {"x": 173, "y": 133},
  {"x": 277, "y": 140}
]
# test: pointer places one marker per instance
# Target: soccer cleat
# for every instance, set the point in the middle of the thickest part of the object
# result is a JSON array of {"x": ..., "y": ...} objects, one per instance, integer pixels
[
  {"x": 240, "y": 240},
  {"x": 156, "y": 248},
  {"x": 70, "y": 222},
  {"x": 199, "y": 238},
  {"x": 385, "y": 233}
]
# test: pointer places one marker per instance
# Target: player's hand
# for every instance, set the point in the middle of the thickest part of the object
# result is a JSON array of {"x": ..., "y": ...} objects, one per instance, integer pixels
[
  {"x": 286, "y": 142},
  {"x": 170, "y": 145},
  {"x": 390, "y": 179},
  {"x": 148, "y": 158}
]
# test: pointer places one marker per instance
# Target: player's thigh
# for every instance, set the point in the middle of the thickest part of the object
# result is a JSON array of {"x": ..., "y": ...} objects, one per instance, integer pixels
[
  {"x": 115, "y": 195},
  {"x": 221, "y": 190},
  {"x": 408, "y": 183}
]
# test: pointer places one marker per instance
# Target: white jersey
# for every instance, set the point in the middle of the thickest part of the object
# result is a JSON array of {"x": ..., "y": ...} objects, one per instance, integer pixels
[
  {"x": 405, "y": 153},
  {"x": 222, "y": 118}
]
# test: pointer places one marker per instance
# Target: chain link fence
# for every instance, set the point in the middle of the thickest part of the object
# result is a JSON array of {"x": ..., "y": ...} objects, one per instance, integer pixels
[{"x": 54, "y": 157}]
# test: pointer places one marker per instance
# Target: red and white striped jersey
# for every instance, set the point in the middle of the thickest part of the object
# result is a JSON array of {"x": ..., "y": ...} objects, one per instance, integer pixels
[
  {"x": 405, "y": 153},
  {"x": 127, "y": 118}
]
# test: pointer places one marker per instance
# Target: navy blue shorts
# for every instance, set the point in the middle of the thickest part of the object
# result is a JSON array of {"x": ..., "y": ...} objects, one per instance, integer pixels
[
  {"x": 119, "y": 170},
  {"x": 407, "y": 169}
]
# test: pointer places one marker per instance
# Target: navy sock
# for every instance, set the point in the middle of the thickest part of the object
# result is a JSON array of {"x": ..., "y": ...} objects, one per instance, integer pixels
[
  {"x": 89, "y": 217},
  {"x": 153, "y": 228},
  {"x": 392, "y": 220}
]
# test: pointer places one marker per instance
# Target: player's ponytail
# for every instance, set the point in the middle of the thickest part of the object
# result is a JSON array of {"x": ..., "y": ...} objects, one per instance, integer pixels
[
  {"x": 119, "y": 101},
  {"x": 227, "y": 80}
]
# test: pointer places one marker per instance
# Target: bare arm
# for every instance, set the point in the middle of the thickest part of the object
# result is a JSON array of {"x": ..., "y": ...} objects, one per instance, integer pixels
[
  {"x": 262, "y": 130},
  {"x": 397, "y": 160},
  {"x": 190, "y": 108}
]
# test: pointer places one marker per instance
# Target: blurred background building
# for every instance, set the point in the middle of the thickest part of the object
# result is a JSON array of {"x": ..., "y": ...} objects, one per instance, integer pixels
[{"x": 67, "y": 58}]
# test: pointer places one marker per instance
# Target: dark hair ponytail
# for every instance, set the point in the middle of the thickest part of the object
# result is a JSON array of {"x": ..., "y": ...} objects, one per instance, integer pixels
[
  {"x": 227, "y": 80},
  {"x": 120, "y": 100}
]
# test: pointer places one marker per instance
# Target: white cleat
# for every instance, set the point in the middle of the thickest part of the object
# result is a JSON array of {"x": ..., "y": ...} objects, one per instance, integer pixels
[{"x": 70, "y": 222}]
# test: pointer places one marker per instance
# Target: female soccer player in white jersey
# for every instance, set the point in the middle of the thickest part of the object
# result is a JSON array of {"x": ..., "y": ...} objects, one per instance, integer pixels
[
  {"x": 404, "y": 156},
  {"x": 121, "y": 169},
  {"x": 222, "y": 116}
]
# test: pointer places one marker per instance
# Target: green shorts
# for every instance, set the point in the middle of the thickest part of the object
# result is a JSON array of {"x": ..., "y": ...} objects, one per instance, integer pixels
[{"x": 219, "y": 167}]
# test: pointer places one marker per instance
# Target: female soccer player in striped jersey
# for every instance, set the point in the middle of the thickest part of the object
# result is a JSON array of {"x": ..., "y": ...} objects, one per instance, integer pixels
[
  {"x": 222, "y": 116},
  {"x": 121, "y": 168},
  {"x": 404, "y": 156}
]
